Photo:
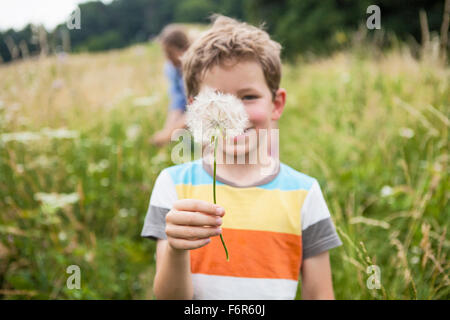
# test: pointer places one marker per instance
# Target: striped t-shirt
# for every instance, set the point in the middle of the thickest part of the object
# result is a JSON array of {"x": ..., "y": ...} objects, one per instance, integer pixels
[{"x": 269, "y": 229}]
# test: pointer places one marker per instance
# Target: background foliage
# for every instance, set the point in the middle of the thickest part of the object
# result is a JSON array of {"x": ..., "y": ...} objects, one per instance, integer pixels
[
  {"x": 299, "y": 25},
  {"x": 77, "y": 170},
  {"x": 369, "y": 121}
]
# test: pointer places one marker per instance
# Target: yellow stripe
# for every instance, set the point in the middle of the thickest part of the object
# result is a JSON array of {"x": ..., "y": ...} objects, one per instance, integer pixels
[{"x": 252, "y": 208}]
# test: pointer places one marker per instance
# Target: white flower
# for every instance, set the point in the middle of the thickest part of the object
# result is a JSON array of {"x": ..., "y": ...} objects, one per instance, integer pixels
[
  {"x": 58, "y": 200},
  {"x": 24, "y": 136},
  {"x": 62, "y": 236},
  {"x": 415, "y": 260},
  {"x": 123, "y": 213},
  {"x": 98, "y": 167},
  {"x": 386, "y": 191},
  {"x": 407, "y": 133},
  {"x": 61, "y": 133},
  {"x": 89, "y": 256},
  {"x": 53, "y": 201},
  {"x": 213, "y": 112},
  {"x": 41, "y": 161},
  {"x": 133, "y": 132}
]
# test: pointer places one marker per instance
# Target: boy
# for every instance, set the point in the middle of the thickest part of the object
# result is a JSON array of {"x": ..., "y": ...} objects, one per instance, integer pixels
[
  {"x": 174, "y": 42},
  {"x": 274, "y": 225}
]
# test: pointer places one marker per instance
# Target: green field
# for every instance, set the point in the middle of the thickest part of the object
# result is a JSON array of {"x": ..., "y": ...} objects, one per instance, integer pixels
[{"x": 76, "y": 170}]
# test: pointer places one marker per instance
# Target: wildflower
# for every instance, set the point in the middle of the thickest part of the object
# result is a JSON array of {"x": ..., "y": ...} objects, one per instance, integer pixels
[
  {"x": 53, "y": 201},
  {"x": 386, "y": 191},
  {"x": 23, "y": 136},
  {"x": 123, "y": 213},
  {"x": 133, "y": 132},
  {"x": 89, "y": 256},
  {"x": 214, "y": 114},
  {"x": 62, "y": 236},
  {"x": 41, "y": 161},
  {"x": 407, "y": 133},
  {"x": 98, "y": 167},
  {"x": 415, "y": 260},
  {"x": 60, "y": 133}
]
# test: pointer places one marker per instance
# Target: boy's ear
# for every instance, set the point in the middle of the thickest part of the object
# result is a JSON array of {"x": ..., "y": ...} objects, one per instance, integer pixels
[
  {"x": 190, "y": 99},
  {"x": 278, "y": 103}
]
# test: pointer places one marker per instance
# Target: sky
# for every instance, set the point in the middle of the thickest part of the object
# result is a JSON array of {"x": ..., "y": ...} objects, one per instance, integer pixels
[{"x": 18, "y": 13}]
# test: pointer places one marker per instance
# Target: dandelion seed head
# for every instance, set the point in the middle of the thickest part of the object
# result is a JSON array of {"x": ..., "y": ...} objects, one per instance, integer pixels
[
  {"x": 212, "y": 112},
  {"x": 62, "y": 236},
  {"x": 386, "y": 191}
]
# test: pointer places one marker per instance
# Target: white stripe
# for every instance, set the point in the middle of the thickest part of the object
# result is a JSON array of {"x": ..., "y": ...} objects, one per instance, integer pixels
[
  {"x": 164, "y": 193},
  {"x": 314, "y": 208},
  {"x": 213, "y": 287}
]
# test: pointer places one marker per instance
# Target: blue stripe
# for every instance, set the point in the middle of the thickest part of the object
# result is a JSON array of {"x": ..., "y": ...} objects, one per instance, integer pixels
[{"x": 288, "y": 179}]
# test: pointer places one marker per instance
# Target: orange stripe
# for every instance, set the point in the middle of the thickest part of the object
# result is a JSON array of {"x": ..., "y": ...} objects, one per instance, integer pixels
[{"x": 253, "y": 254}]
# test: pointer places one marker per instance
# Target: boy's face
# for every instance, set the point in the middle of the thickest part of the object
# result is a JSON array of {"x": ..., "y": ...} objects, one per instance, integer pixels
[{"x": 245, "y": 79}]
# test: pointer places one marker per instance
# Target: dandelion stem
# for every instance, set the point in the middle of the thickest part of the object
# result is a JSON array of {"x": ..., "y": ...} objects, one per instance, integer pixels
[{"x": 214, "y": 192}]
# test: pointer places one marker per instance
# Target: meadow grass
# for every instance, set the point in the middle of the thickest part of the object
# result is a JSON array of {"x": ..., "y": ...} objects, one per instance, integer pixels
[{"x": 76, "y": 169}]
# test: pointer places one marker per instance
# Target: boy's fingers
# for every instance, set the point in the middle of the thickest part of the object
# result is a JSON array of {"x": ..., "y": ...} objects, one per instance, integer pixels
[
  {"x": 191, "y": 233},
  {"x": 189, "y": 218},
  {"x": 199, "y": 205},
  {"x": 188, "y": 244}
]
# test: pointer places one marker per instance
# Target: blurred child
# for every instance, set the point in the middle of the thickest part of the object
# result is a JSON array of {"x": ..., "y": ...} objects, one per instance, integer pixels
[{"x": 174, "y": 42}]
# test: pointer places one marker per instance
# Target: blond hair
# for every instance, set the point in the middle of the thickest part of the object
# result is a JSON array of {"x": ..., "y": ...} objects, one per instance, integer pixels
[
  {"x": 173, "y": 35},
  {"x": 231, "y": 40}
]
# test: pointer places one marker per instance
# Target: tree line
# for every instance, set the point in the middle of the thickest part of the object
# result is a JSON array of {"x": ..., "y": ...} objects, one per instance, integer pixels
[{"x": 299, "y": 25}]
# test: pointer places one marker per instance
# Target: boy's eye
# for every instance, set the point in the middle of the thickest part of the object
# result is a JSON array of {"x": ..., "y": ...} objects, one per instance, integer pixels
[{"x": 249, "y": 97}]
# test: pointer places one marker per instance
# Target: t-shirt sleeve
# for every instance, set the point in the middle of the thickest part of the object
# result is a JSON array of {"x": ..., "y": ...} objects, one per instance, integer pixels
[
  {"x": 318, "y": 231},
  {"x": 176, "y": 88},
  {"x": 161, "y": 201}
]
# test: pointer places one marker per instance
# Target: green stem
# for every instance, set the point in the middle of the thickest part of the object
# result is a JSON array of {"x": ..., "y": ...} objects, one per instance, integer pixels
[{"x": 214, "y": 193}]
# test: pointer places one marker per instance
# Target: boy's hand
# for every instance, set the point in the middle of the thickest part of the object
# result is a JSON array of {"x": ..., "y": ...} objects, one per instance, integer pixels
[{"x": 191, "y": 223}]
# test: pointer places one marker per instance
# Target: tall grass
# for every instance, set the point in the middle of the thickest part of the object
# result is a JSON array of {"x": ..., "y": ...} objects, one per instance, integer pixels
[{"x": 373, "y": 131}]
